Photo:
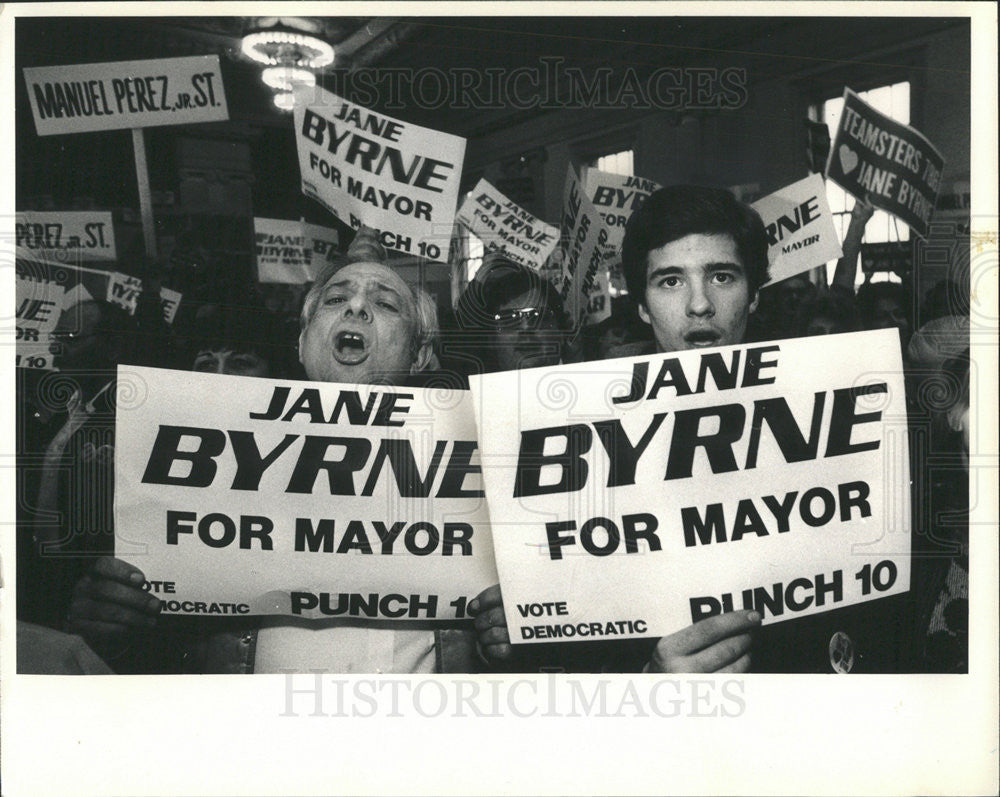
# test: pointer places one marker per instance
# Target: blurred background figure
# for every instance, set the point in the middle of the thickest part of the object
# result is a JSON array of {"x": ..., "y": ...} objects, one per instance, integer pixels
[
  {"x": 885, "y": 305},
  {"x": 622, "y": 334},
  {"x": 831, "y": 314},
  {"x": 508, "y": 318},
  {"x": 239, "y": 341}
]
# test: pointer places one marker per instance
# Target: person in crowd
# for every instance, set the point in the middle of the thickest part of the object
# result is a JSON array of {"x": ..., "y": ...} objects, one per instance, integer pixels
[
  {"x": 361, "y": 324},
  {"x": 509, "y": 317},
  {"x": 622, "y": 334},
  {"x": 239, "y": 341},
  {"x": 940, "y": 573},
  {"x": 694, "y": 260},
  {"x": 886, "y": 305},
  {"x": 829, "y": 314},
  {"x": 778, "y": 310},
  {"x": 67, "y": 419}
]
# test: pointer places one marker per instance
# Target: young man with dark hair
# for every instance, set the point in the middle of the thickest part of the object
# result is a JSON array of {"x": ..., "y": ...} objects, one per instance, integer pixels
[{"x": 694, "y": 259}]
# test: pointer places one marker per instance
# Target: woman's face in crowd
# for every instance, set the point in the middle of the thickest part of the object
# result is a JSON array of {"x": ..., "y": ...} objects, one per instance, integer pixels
[
  {"x": 234, "y": 363},
  {"x": 527, "y": 334},
  {"x": 363, "y": 328},
  {"x": 821, "y": 325}
]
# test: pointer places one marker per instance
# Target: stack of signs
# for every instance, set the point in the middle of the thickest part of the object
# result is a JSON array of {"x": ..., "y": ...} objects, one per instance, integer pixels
[
  {"x": 292, "y": 252},
  {"x": 657, "y": 491},
  {"x": 65, "y": 236},
  {"x": 800, "y": 231},
  {"x": 504, "y": 226},
  {"x": 890, "y": 164},
  {"x": 370, "y": 169},
  {"x": 126, "y": 94},
  {"x": 585, "y": 239},
  {"x": 616, "y": 197},
  {"x": 124, "y": 290}
]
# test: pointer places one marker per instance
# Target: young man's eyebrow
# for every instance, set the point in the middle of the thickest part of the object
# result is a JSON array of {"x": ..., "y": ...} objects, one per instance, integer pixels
[
  {"x": 724, "y": 265},
  {"x": 663, "y": 271},
  {"x": 671, "y": 271}
]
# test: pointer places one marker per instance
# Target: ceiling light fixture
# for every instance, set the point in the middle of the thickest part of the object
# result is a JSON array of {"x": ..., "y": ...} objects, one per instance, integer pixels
[
  {"x": 284, "y": 100},
  {"x": 286, "y": 78},
  {"x": 282, "y": 46}
]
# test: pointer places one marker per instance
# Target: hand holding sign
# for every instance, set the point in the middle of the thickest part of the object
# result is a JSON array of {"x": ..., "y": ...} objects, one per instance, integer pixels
[
  {"x": 109, "y": 602},
  {"x": 491, "y": 624},
  {"x": 716, "y": 644}
]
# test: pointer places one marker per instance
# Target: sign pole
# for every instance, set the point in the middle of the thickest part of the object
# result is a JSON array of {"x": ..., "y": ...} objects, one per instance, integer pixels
[{"x": 145, "y": 196}]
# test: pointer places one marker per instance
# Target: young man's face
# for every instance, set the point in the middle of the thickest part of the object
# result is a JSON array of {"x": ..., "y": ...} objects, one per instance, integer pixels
[
  {"x": 697, "y": 294},
  {"x": 362, "y": 330}
]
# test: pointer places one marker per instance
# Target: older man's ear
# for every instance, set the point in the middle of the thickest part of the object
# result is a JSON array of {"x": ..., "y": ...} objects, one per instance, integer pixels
[{"x": 423, "y": 359}]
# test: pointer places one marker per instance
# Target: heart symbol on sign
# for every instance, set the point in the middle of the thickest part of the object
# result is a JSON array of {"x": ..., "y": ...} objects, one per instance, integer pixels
[{"x": 848, "y": 160}]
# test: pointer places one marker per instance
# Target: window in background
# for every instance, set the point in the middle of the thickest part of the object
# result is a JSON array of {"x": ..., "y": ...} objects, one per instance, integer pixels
[
  {"x": 616, "y": 162},
  {"x": 893, "y": 101},
  {"x": 475, "y": 249}
]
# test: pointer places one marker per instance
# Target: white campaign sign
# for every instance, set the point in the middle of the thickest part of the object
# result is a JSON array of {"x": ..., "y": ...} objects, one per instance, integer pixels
[
  {"x": 504, "y": 226},
  {"x": 39, "y": 305},
  {"x": 124, "y": 290},
  {"x": 633, "y": 497},
  {"x": 292, "y": 252},
  {"x": 370, "y": 169},
  {"x": 68, "y": 236},
  {"x": 81, "y": 98},
  {"x": 799, "y": 228},
  {"x": 255, "y": 496},
  {"x": 616, "y": 197},
  {"x": 585, "y": 238}
]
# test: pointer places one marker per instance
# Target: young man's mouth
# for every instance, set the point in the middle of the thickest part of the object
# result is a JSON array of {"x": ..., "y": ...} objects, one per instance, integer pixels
[
  {"x": 702, "y": 338},
  {"x": 350, "y": 348}
]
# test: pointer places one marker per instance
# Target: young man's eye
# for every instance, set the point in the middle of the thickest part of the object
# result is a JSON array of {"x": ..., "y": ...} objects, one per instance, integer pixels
[
  {"x": 723, "y": 277},
  {"x": 204, "y": 365},
  {"x": 670, "y": 282}
]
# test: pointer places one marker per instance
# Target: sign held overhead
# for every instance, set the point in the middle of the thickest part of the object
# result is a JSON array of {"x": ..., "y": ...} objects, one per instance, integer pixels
[{"x": 82, "y": 98}]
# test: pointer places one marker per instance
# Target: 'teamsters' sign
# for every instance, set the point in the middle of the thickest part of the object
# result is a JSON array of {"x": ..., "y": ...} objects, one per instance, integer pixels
[{"x": 891, "y": 164}]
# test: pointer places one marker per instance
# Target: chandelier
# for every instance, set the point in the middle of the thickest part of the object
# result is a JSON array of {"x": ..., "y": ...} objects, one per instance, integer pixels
[{"x": 291, "y": 52}]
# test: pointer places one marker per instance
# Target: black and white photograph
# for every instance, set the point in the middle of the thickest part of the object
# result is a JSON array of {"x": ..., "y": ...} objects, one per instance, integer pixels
[{"x": 599, "y": 396}]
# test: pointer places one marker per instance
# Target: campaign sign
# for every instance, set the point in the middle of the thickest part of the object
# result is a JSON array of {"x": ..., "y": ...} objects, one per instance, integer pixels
[
  {"x": 616, "y": 197},
  {"x": 891, "y": 164},
  {"x": 124, "y": 290},
  {"x": 585, "y": 239},
  {"x": 65, "y": 236},
  {"x": 292, "y": 252},
  {"x": 44, "y": 290},
  {"x": 81, "y": 98},
  {"x": 799, "y": 224},
  {"x": 504, "y": 226},
  {"x": 254, "y": 496},
  {"x": 370, "y": 169},
  {"x": 38, "y": 307},
  {"x": 634, "y": 497}
]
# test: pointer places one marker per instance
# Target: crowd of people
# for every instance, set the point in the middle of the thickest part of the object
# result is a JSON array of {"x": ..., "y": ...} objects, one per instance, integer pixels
[{"x": 695, "y": 262}]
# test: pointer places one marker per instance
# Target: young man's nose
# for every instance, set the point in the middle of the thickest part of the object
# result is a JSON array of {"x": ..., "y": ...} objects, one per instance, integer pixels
[{"x": 699, "y": 303}]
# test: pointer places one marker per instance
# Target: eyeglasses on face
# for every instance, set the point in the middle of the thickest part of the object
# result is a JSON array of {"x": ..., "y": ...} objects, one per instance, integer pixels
[{"x": 524, "y": 318}]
